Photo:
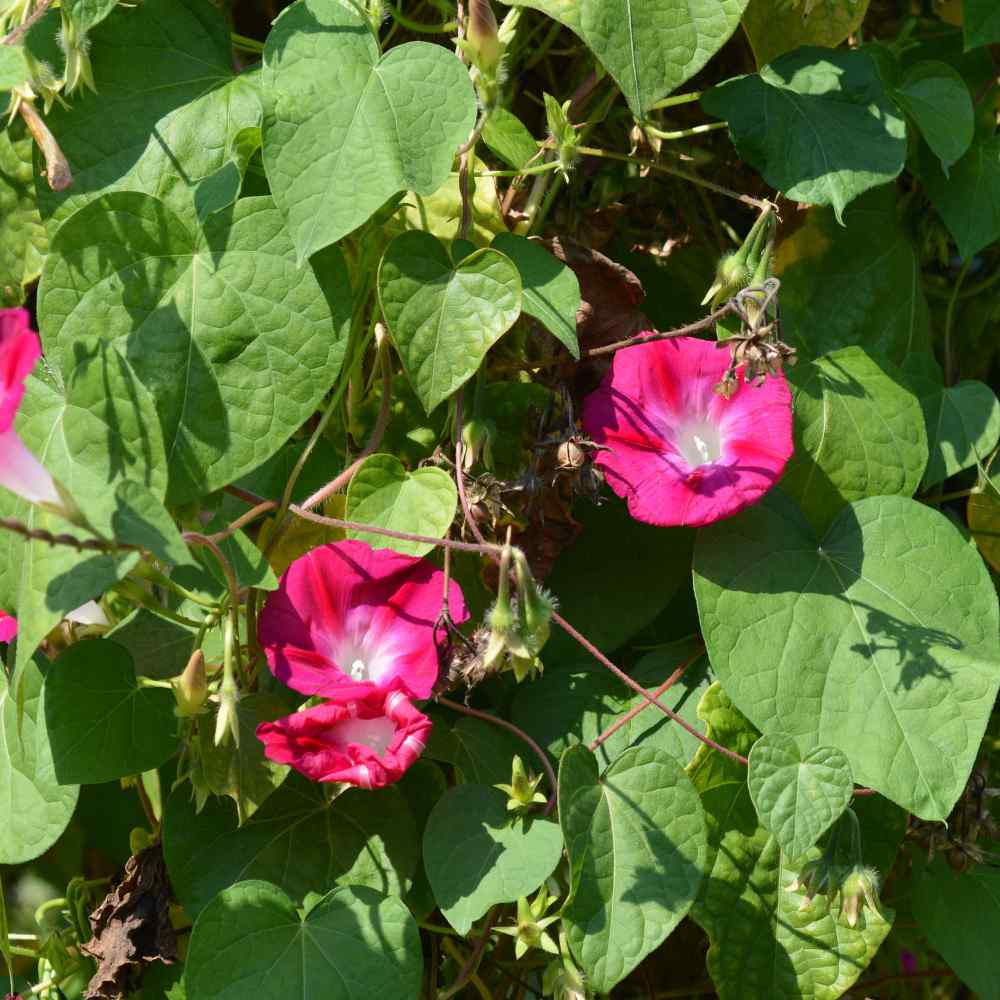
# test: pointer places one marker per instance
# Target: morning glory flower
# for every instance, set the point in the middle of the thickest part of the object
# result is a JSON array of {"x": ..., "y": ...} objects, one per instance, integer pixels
[
  {"x": 8, "y": 627},
  {"x": 20, "y": 471},
  {"x": 368, "y": 741},
  {"x": 347, "y": 617},
  {"x": 678, "y": 451}
]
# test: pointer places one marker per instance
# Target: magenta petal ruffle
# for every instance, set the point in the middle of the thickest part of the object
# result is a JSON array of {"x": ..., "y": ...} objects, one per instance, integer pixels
[{"x": 677, "y": 451}]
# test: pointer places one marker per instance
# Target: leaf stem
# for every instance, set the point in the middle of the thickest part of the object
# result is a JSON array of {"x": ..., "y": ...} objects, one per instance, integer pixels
[
  {"x": 672, "y": 102},
  {"x": 468, "y": 971},
  {"x": 949, "y": 361},
  {"x": 685, "y": 133},
  {"x": 246, "y": 44}
]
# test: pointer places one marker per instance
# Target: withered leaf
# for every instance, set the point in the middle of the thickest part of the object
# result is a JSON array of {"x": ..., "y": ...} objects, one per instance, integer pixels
[{"x": 131, "y": 927}]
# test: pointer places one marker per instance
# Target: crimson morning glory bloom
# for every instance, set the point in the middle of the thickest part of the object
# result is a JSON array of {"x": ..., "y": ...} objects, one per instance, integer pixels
[
  {"x": 368, "y": 741},
  {"x": 20, "y": 471},
  {"x": 678, "y": 451},
  {"x": 8, "y": 627},
  {"x": 346, "y": 617}
]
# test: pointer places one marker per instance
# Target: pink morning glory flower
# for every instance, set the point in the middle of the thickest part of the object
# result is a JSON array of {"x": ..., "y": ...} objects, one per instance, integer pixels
[
  {"x": 679, "y": 452},
  {"x": 347, "y": 616},
  {"x": 8, "y": 627},
  {"x": 20, "y": 471},
  {"x": 368, "y": 741}
]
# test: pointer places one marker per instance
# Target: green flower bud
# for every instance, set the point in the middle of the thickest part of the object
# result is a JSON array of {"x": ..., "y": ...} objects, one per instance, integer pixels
[
  {"x": 536, "y": 606},
  {"x": 858, "y": 890},
  {"x": 564, "y": 134},
  {"x": 191, "y": 688},
  {"x": 478, "y": 434},
  {"x": 76, "y": 46},
  {"x": 482, "y": 37},
  {"x": 529, "y": 931}
]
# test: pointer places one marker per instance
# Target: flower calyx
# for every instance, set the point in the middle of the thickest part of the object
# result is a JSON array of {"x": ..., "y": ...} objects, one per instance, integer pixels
[
  {"x": 191, "y": 688},
  {"x": 530, "y": 930},
  {"x": 523, "y": 790},
  {"x": 563, "y": 134}
]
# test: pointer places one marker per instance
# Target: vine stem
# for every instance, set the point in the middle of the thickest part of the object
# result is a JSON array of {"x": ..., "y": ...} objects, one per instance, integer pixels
[
  {"x": 949, "y": 362},
  {"x": 374, "y": 440},
  {"x": 472, "y": 962},
  {"x": 642, "y": 706},
  {"x": 25, "y": 26},
  {"x": 550, "y": 774},
  {"x": 674, "y": 172}
]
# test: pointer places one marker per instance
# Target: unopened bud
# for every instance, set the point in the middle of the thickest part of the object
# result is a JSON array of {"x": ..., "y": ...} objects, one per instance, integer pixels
[
  {"x": 484, "y": 46},
  {"x": 76, "y": 46},
  {"x": 564, "y": 135},
  {"x": 478, "y": 434},
  {"x": 191, "y": 688},
  {"x": 536, "y": 604},
  {"x": 227, "y": 721},
  {"x": 858, "y": 890}
]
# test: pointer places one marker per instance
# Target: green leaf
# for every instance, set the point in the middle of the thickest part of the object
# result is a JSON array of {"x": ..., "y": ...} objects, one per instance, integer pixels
[
  {"x": 817, "y": 123},
  {"x": 477, "y": 854},
  {"x": 859, "y": 432},
  {"x": 243, "y": 772},
  {"x": 13, "y": 68},
  {"x": 853, "y": 284},
  {"x": 210, "y": 319},
  {"x": 249, "y": 566},
  {"x": 87, "y": 13},
  {"x": 221, "y": 189},
  {"x": 980, "y": 23},
  {"x": 636, "y": 843},
  {"x": 94, "y": 433},
  {"x": 937, "y": 99},
  {"x": 383, "y": 493},
  {"x": 509, "y": 138},
  {"x": 763, "y": 944},
  {"x": 551, "y": 289},
  {"x": 141, "y": 519},
  {"x": 358, "y": 839},
  {"x": 572, "y": 704},
  {"x": 353, "y": 944},
  {"x": 166, "y": 108},
  {"x": 891, "y": 619},
  {"x": 482, "y": 751},
  {"x": 345, "y": 128},
  {"x": 650, "y": 47},
  {"x": 776, "y": 28},
  {"x": 649, "y": 565},
  {"x": 36, "y": 806},
  {"x": 102, "y": 723},
  {"x": 443, "y": 318},
  {"x": 798, "y": 797},
  {"x": 963, "y": 421},
  {"x": 959, "y": 914},
  {"x": 160, "y": 648},
  {"x": 968, "y": 199},
  {"x": 23, "y": 241}
]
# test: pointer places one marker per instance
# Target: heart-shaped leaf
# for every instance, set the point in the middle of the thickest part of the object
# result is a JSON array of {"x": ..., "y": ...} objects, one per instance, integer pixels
[
  {"x": 210, "y": 318},
  {"x": 746, "y": 897},
  {"x": 443, "y": 317},
  {"x": 859, "y": 283},
  {"x": 776, "y": 28},
  {"x": 984, "y": 520},
  {"x": 164, "y": 113},
  {"x": 482, "y": 751},
  {"x": 345, "y": 128},
  {"x": 477, "y": 854},
  {"x": 37, "y": 807},
  {"x": 22, "y": 235},
  {"x": 351, "y": 945},
  {"x": 968, "y": 198},
  {"x": 891, "y": 618},
  {"x": 421, "y": 502},
  {"x": 798, "y": 797},
  {"x": 636, "y": 843},
  {"x": 359, "y": 839},
  {"x": 102, "y": 723},
  {"x": 963, "y": 420},
  {"x": 551, "y": 289},
  {"x": 937, "y": 99},
  {"x": 650, "y": 47},
  {"x": 859, "y": 432},
  {"x": 817, "y": 123}
]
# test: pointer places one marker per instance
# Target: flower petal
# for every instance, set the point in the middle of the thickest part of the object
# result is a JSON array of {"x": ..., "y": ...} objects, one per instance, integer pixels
[
  {"x": 8, "y": 627},
  {"x": 346, "y": 613},
  {"x": 23, "y": 474},
  {"x": 19, "y": 350},
  {"x": 369, "y": 742},
  {"x": 677, "y": 451}
]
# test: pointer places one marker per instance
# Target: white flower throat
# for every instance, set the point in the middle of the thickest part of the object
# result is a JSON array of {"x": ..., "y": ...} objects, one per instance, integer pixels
[{"x": 698, "y": 443}]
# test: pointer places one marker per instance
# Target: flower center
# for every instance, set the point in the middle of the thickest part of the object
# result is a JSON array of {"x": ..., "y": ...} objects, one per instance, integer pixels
[
  {"x": 374, "y": 733},
  {"x": 358, "y": 670},
  {"x": 698, "y": 443}
]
